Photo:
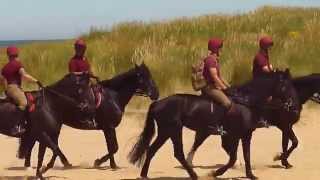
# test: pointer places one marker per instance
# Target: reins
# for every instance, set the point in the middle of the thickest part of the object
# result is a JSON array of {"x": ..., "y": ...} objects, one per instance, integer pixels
[{"x": 60, "y": 95}]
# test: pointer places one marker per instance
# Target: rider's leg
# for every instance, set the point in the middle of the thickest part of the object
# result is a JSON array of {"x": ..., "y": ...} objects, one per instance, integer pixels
[
  {"x": 219, "y": 97},
  {"x": 20, "y": 99}
]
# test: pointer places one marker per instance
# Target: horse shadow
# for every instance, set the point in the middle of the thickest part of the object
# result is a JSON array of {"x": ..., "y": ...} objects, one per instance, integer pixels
[
  {"x": 61, "y": 168},
  {"x": 29, "y": 177},
  {"x": 162, "y": 178},
  {"x": 275, "y": 166},
  {"x": 203, "y": 167}
]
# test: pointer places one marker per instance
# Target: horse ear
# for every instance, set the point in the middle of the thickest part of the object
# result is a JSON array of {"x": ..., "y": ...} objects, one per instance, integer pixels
[{"x": 287, "y": 71}]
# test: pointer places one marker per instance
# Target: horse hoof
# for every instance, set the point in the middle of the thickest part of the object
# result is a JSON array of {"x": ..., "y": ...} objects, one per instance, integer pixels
[
  {"x": 144, "y": 178},
  {"x": 194, "y": 177},
  {"x": 253, "y": 177},
  {"x": 217, "y": 173},
  {"x": 115, "y": 167},
  {"x": 67, "y": 166},
  {"x": 43, "y": 170},
  {"x": 277, "y": 157},
  {"x": 288, "y": 166},
  {"x": 96, "y": 163}
]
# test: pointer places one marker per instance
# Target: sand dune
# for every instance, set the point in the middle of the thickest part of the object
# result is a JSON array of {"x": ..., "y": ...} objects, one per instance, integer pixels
[{"x": 83, "y": 147}]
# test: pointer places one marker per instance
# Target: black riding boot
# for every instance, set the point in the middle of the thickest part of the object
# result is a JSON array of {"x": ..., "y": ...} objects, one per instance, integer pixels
[
  {"x": 20, "y": 127},
  {"x": 217, "y": 128}
]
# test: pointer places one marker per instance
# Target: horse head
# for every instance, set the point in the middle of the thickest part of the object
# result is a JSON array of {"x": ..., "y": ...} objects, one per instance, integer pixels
[{"x": 145, "y": 83}]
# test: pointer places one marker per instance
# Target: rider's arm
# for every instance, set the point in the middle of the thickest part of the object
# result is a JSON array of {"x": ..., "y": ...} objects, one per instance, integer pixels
[
  {"x": 3, "y": 81},
  {"x": 27, "y": 76},
  {"x": 267, "y": 68},
  {"x": 225, "y": 83},
  {"x": 216, "y": 79}
]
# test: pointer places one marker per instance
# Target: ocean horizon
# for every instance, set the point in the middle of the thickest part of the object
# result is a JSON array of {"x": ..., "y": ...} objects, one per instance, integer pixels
[{"x": 21, "y": 42}]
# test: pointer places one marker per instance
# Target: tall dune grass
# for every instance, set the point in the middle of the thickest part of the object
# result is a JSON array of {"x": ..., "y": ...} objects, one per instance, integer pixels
[{"x": 170, "y": 48}]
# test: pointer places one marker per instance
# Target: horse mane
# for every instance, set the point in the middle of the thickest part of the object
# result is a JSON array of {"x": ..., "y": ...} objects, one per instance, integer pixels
[
  {"x": 305, "y": 80},
  {"x": 116, "y": 82},
  {"x": 60, "y": 82}
]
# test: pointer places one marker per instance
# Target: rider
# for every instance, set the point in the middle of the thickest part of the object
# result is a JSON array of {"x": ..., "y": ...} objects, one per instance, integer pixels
[
  {"x": 79, "y": 64},
  {"x": 11, "y": 76},
  {"x": 261, "y": 63},
  {"x": 216, "y": 85},
  {"x": 261, "y": 66}
]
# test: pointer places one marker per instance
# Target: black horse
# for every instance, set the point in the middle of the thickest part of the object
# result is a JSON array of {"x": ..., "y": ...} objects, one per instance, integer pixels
[
  {"x": 174, "y": 112},
  {"x": 119, "y": 90},
  {"x": 306, "y": 88},
  {"x": 69, "y": 98}
]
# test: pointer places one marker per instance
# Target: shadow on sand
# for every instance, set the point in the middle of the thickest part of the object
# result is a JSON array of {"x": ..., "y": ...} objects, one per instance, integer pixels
[
  {"x": 203, "y": 167},
  {"x": 162, "y": 178},
  {"x": 29, "y": 177},
  {"x": 275, "y": 166},
  {"x": 61, "y": 168}
]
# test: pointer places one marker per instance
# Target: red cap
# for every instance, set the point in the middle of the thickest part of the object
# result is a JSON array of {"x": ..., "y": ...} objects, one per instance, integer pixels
[
  {"x": 265, "y": 42},
  {"x": 215, "y": 44},
  {"x": 80, "y": 44},
  {"x": 12, "y": 51}
]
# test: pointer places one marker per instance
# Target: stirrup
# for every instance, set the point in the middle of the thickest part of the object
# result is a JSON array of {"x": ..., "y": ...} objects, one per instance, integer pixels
[
  {"x": 217, "y": 130},
  {"x": 263, "y": 124}
]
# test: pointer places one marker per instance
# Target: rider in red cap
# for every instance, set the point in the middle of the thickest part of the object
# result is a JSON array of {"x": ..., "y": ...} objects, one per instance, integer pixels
[
  {"x": 79, "y": 64},
  {"x": 11, "y": 76},
  {"x": 211, "y": 72},
  {"x": 261, "y": 63},
  {"x": 261, "y": 66}
]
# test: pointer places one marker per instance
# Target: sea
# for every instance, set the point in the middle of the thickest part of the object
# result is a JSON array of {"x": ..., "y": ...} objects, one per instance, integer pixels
[{"x": 22, "y": 42}]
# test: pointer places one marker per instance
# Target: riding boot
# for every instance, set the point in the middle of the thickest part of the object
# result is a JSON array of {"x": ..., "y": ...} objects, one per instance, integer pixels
[
  {"x": 217, "y": 128},
  {"x": 20, "y": 127}
]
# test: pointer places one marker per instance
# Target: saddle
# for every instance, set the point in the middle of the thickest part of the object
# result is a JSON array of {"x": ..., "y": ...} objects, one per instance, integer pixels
[
  {"x": 236, "y": 96},
  {"x": 31, "y": 100}
]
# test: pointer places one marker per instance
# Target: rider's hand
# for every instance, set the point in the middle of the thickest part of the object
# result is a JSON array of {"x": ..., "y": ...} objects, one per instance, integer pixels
[{"x": 39, "y": 84}]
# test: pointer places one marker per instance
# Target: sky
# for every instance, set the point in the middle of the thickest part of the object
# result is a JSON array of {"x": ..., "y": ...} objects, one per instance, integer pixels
[{"x": 61, "y": 19}]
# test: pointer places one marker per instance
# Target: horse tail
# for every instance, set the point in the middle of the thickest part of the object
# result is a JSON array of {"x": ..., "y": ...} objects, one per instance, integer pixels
[{"x": 136, "y": 155}]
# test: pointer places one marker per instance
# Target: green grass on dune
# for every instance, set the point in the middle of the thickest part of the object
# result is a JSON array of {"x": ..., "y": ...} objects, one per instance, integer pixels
[{"x": 170, "y": 48}]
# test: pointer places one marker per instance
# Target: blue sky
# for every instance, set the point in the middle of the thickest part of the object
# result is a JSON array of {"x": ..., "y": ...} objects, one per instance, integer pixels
[{"x": 58, "y": 19}]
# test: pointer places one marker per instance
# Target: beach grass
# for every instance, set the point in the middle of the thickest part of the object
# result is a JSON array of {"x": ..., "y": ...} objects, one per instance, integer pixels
[{"x": 169, "y": 48}]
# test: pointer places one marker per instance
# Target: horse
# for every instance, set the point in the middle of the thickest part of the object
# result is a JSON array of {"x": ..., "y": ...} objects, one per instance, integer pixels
[
  {"x": 306, "y": 88},
  {"x": 116, "y": 94},
  {"x": 68, "y": 98},
  {"x": 184, "y": 110}
]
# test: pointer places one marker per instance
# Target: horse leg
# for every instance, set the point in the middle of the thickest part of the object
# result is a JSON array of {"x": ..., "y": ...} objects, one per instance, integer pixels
[
  {"x": 50, "y": 165},
  {"x": 200, "y": 137},
  {"x": 176, "y": 138},
  {"x": 232, "y": 152},
  {"x": 27, "y": 162},
  {"x": 42, "y": 150},
  {"x": 246, "y": 144},
  {"x": 285, "y": 156},
  {"x": 56, "y": 152},
  {"x": 155, "y": 146},
  {"x": 112, "y": 144}
]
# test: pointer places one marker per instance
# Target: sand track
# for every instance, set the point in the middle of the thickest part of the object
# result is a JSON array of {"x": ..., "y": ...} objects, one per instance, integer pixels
[{"x": 83, "y": 147}]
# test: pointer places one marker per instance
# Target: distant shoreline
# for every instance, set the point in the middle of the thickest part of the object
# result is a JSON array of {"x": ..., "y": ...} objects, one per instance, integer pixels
[{"x": 21, "y": 42}]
